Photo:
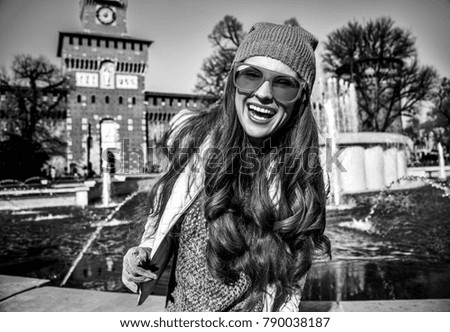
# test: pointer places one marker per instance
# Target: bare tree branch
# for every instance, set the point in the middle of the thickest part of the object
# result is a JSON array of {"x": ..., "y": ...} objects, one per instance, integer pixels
[
  {"x": 382, "y": 61},
  {"x": 35, "y": 96}
]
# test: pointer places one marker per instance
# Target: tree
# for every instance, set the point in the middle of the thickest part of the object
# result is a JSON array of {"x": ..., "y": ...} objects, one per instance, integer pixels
[
  {"x": 442, "y": 103},
  {"x": 32, "y": 113},
  {"x": 382, "y": 61},
  {"x": 225, "y": 38},
  {"x": 440, "y": 114}
]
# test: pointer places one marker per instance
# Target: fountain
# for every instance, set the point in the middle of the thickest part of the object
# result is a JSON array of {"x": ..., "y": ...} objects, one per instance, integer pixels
[
  {"x": 40, "y": 192},
  {"x": 335, "y": 187},
  {"x": 106, "y": 188},
  {"x": 94, "y": 235},
  {"x": 372, "y": 160},
  {"x": 364, "y": 224}
]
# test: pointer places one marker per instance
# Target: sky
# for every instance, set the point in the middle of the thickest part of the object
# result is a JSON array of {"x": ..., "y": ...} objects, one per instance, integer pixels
[{"x": 179, "y": 28}]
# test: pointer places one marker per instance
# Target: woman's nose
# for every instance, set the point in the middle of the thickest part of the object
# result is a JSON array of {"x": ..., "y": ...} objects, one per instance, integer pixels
[{"x": 264, "y": 91}]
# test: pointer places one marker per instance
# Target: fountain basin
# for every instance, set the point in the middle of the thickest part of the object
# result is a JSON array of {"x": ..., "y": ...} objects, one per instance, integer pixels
[
  {"x": 46, "y": 197},
  {"x": 372, "y": 161}
]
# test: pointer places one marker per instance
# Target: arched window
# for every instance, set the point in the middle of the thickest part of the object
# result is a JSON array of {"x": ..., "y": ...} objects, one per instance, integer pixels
[
  {"x": 93, "y": 99},
  {"x": 79, "y": 99},
  {"x": 107, "y": 99},
  {"x": 120, "y": 100}
]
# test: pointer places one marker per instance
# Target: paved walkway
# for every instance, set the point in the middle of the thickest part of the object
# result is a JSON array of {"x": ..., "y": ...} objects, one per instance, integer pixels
[{"x": 28, "y": 294}]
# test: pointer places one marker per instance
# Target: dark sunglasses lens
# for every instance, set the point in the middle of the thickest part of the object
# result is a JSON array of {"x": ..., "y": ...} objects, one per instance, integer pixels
[
  {"x": 285, "y": 88},
  {"x": 248, "y": 78}
]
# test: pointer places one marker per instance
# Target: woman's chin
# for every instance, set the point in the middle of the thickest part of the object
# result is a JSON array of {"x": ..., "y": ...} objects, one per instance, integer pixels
[
  {"x": 259, "y": 130},
  {"x": 258, "y": 134}
]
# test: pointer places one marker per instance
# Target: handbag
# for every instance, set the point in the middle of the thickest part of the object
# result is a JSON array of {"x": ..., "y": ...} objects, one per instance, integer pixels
[{"x": 157, "y": 265}]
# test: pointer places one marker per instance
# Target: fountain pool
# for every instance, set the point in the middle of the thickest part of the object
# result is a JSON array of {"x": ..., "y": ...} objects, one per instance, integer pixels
[{"x": 404, "y": 255}]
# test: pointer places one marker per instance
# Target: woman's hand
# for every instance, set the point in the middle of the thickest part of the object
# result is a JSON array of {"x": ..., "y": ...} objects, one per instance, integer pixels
[{"x": 132, "y": 271}]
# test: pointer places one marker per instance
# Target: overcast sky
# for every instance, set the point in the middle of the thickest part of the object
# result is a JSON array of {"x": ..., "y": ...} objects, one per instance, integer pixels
[{"x": 179, "y": 28}]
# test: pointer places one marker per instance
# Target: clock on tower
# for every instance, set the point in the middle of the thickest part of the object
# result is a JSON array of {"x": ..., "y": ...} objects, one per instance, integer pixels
[{"x": 104, "y": 16}]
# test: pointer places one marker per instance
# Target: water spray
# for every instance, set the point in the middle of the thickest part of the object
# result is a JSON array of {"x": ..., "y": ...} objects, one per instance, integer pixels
[
  {"x": 94, "y": 236},
  {"x": 434, "y": 183}
]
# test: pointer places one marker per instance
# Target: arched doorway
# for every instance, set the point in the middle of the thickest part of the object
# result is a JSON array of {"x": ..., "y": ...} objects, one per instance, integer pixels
[{"x": 110, "y": 146}]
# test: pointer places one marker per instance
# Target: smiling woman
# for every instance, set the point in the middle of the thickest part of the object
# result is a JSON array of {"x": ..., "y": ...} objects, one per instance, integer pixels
[
  {"x": 242, "y": 205},
  {"x": 265, "y": 95}
]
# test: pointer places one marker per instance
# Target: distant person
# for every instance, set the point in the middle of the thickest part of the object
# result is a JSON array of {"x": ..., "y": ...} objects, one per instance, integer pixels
[
  {"x": 244, "y": 213},
  {"x": 53, "y": 173},
  {"x": 76, "y": 173}
]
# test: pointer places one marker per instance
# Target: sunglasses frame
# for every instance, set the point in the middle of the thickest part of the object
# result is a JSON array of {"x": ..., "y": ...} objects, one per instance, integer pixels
[{"x": 303, "y": 85}]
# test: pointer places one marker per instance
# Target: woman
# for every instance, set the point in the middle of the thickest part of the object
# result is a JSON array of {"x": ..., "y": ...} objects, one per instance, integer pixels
[{"x": 244, "y": 197}]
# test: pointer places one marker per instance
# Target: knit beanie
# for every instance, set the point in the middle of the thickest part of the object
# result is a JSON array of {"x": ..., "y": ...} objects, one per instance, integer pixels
[{"x": 292, "y": 45}]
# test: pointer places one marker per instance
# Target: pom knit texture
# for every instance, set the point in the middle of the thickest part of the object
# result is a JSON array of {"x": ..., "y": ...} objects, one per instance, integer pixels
[{"x": 293, "y": 46}]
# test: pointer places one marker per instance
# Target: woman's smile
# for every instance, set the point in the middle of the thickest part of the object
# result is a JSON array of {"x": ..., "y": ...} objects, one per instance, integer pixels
[{"x": 260, "y": 114}]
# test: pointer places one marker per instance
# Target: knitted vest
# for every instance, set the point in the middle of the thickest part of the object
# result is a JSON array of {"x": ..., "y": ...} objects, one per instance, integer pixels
[{"x": 195, "y": 288}]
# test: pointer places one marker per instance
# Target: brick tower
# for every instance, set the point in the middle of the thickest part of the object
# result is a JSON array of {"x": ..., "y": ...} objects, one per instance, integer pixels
[{"x": 106, "y": 111}]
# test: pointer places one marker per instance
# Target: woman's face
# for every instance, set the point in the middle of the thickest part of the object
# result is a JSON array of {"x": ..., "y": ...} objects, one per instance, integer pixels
[{"x": 259, "y": 113}]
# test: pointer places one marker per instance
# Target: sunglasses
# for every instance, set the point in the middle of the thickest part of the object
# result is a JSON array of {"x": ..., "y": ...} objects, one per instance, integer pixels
[{"x": 285, "y": 88}]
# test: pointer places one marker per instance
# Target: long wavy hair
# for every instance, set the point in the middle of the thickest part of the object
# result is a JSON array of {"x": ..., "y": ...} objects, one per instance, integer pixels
[{"x": 265, "y": 206}]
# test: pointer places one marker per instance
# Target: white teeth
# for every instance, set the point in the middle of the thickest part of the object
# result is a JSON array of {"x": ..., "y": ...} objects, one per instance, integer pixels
[
  {"x": 259, "y": 117},
  {"x": 260, "y": 109}
]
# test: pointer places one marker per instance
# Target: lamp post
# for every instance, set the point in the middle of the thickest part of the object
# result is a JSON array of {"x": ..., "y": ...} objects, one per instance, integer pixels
[
  {"x": 442, "y": 175},
  {"x": 147, "y": 139},
  {"x": 89, "y": 147}
]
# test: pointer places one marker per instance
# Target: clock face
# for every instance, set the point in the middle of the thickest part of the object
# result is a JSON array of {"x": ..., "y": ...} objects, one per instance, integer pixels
[{"x": 106, "y": 15}]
